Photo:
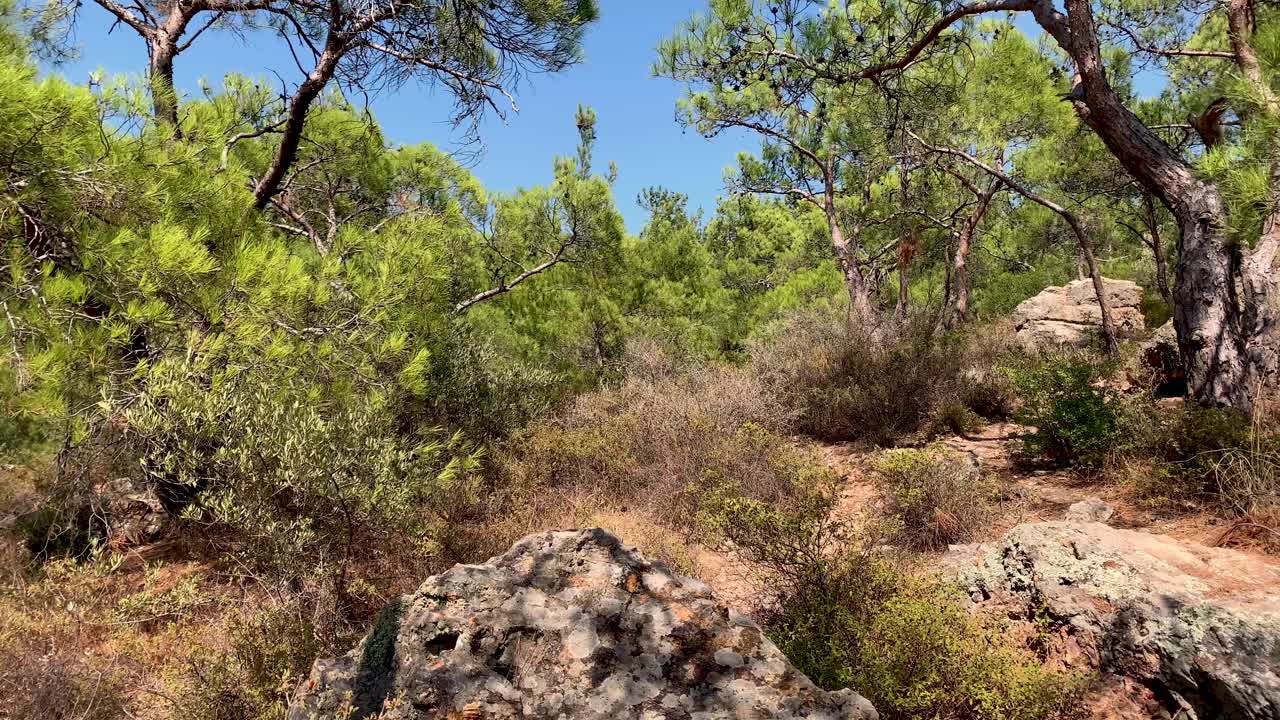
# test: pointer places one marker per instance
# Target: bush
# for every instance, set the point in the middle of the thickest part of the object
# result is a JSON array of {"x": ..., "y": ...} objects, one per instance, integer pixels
[
  {"x": 324, "y": 488},
  {"x": 938, "y": 496},
  {"x": 1076, "y": 419},
  {"x": 1197, "y": 454},
  {"x": 657, "y": 441},
  {"x": 843, "y": 384},
  {"x": 849, "y": 614}
]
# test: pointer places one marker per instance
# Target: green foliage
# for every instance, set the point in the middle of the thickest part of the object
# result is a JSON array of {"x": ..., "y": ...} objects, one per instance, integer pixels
[
  {"x": 938, "y": 496},
  {"x": 1076, "y": 418},
  {"x": 343, "y": 479},
  {"x": 849, "y": 615}
]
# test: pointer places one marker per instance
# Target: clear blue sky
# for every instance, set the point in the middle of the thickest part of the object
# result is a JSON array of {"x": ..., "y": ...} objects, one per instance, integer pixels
[{"x": 636, "y": 126}]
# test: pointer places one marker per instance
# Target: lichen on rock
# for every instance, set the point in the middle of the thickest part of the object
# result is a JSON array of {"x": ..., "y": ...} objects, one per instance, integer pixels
[
  {"x": 1198, "y": 626},
  {"x": 567, "y": 625}
]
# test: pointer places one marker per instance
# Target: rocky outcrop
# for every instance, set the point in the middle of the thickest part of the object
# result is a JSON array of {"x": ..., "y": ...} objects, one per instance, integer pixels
[
  {"x": 567, "y": 625},
  {"x": 1091, "y": 509},
  {"x": 1198, "y": 627},
  {"x": 1070, "y": 316}
]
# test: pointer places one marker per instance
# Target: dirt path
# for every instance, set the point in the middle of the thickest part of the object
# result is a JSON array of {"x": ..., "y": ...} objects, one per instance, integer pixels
[{"x": 1031, "y": 495}]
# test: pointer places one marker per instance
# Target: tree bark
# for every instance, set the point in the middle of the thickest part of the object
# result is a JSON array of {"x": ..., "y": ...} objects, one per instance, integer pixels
[
  {"x": 958, "y": 312},
  {"x": 1211, "y": 337},
  {"x": 291, "y": 134},
  {"x": 164, "y": 96},
  {"x": 1099, "y": 288},
  {"x": 904, "y": 282},
  {"x": 1157, "y": 248},
  {"x": 860, "y": 306},
  {"x": 1260, "y": 277}
]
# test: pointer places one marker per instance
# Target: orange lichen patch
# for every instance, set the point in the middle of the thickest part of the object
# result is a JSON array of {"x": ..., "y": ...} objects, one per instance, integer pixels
[{"x": 632, "y": 583}]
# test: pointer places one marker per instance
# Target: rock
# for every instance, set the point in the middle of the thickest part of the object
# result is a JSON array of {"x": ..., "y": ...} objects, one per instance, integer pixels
[
  {"x": 1163, "y": 362},
  {"x": 1090, "y": 509},
  {"x": 570, "y": 625},
  {"x": 133, "y": 513},
  {"x": 1070, "y": 316},
  {"x": 1198, "y": 626}
]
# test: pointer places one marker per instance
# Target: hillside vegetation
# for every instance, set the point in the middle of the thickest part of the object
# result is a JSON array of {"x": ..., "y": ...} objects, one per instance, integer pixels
[{"x": 264, "y": 369}]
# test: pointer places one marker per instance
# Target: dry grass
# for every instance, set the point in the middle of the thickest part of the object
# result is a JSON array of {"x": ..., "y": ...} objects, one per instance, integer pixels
[
  {"x": 653, "y": 444},
  {"x": 842, "y": 383}
]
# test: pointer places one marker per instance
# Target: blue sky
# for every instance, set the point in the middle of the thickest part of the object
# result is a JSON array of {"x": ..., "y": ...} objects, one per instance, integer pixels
[
  {"x": 635, "y": 128},
  {"x": 636, "y": 125}
]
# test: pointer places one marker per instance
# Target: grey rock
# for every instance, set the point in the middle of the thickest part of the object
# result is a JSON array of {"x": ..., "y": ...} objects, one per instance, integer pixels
[
  {"x": 1091, "y": 509},
  {"x": 570, "y": 625},
  {"x": 1198, "y": 625},
  {"x": 133, "y": 512},
  {"x": 1070, "y": 314}
]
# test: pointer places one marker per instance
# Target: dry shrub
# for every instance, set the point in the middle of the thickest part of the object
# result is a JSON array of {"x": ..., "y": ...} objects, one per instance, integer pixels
[
  {"x": 846, "y": 383},
  {"x": 1247, "y": 480},
  {"x": 938, "y": 496},
  {"x": 654, "y": 444},
  {"x": 46, "y": 675}
]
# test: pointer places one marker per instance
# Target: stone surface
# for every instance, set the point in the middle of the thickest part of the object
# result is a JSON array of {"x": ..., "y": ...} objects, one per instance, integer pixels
[
  {"x": 570, "y": 625},
  {"x": 1091, "y": 509},
  {"x": 1069, "y": 315},
  {"x": 133, "y": 514},
  {"x": 1198, "y": 626}
]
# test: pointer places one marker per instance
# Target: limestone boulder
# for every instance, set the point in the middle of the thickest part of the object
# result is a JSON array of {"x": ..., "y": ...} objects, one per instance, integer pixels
[
  {"x": 566, "y": 625},
  {"x": 1070, "y": 315},
  {"x": 1197, "y": 627}
]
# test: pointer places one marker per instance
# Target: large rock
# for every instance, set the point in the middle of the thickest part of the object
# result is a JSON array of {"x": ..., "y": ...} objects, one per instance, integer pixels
[
  {"x": 1199, "y": 627},
  {"x": 570, "y": 625},
  {"x": 1070, "y": 315}
]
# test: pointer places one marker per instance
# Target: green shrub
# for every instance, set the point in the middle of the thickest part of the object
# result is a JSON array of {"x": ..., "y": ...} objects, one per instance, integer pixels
[
  {"x": 938, "y": 495},
  {"x": 849, "y": 614},
  {"x": 1194, "y": 454},
  {"x": 324, "y": 487},
  {"x": 1076, "y": 419}
]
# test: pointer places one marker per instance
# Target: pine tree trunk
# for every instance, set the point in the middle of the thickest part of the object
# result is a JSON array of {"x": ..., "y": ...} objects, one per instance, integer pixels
[
  {"x": 959, "y": 312},
  {"x": 291, "y": 134},
  {"x": 1157, "y": 249},
  {"x": 904, "y": 293},
  {"x": 1212, "y": 337},
  {"x": 860, "y": 306},
  {"x": 164, "y": 96}
]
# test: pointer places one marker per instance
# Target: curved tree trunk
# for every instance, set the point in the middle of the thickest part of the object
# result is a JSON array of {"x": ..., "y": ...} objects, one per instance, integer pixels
[
  {"x": 958, "y": 311},
  {"x": 1099, "y": 289},
  {"x": 1212, "y": 338},
  {"x": 291, "y": 134}
]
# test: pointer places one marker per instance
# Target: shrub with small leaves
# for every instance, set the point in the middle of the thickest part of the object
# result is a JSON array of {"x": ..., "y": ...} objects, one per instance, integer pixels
[
  {"x": 1075, "y": 417},
  {"x": 939, "y": 496},
  {"x": 849, "y": 613}
]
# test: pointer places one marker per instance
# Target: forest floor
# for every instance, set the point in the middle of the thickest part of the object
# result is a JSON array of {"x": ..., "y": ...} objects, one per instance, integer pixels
[
  {"x": 127, "y": 615},
  {"x": 1028, "y": 493}
]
